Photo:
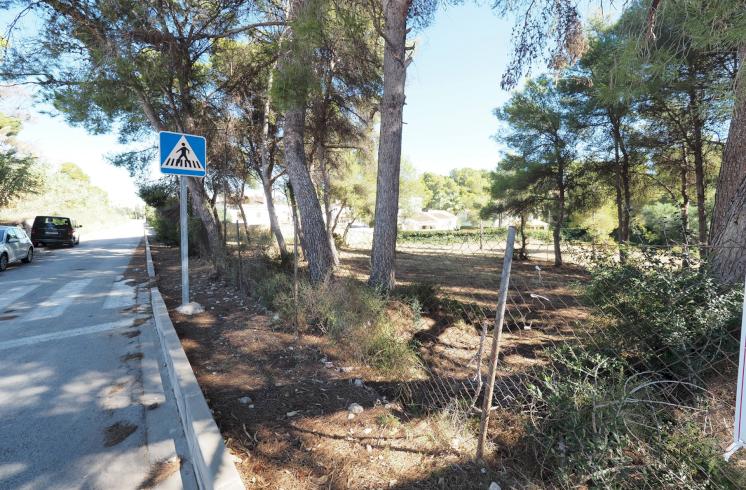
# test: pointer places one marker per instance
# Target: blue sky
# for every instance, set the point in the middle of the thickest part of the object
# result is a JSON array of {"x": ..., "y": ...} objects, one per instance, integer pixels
[{"x": 452, "y": 89}]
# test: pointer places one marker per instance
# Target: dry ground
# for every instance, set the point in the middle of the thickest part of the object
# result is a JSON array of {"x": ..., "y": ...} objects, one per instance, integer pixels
[{"x": 281, "y": 402}]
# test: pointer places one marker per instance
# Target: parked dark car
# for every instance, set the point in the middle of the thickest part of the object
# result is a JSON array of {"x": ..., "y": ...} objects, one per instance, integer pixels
[{"x": 55, "y": 230}]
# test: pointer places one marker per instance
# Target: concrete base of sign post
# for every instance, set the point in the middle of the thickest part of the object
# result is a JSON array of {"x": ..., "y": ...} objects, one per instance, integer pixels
[
  {"x": 732, "y": 449},
  {"x": 189, "y": 309}
]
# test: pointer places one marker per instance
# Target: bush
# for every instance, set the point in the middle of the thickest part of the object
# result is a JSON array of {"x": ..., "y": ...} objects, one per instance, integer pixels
[
  {"x": 448, "y": 237},
  {"x": 673, "y": 320},
  {"x": 270, "y": 288},
  {"x": 350, "y": 313},
  {"x": 596, "y": 425},
  {"x": 165, "y": 223}
]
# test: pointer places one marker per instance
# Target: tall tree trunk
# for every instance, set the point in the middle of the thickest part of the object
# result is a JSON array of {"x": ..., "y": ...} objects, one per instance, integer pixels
[
  {"x": 622, "y": 185},
  {"x": 699, "y": 165},
  {"x": 684, "y": 208},
  {"x": 216, "y": 214},
  {"x": 684, "y": 205},
  {"x": 326, "y": 186},
  {"x": 265, "y": 171},
  {"x": 274, "y": 224},
  {"x": 200, "y": 206},
  {"x": 626, "y": 185},
  {"x": 314, "y": 240},
  {"x": 523, "y": 253},
  {"x": 243, "y": 213},
  {"x": 559, "y": 217},
  {"x": 619, "y": 199},
  {"x": 347, "y": 229},
  {"x": 383, "y": 254},
  {"x": 622, "y": 232},
  {"x": 728, "y": 228}
]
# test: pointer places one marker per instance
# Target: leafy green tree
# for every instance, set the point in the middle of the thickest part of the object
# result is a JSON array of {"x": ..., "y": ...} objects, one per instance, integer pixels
[
  {"x": 74, "y": 172},
  {"x": 122, "y": 65},
  {"x": 683, "y": 89},
  {"x": 443, "y": 192},
  {"x": 515, "y": 191},
  {"x": 20, "y": 173},
  {"x": 604, "y": 101},
  {"x": 474, "y": 190},
  {"x": 412, "y": 191},
  {"x": 353, "y": 189},
  {"x": 553, "y": 31},
  {"x": 540, "y": 129}
]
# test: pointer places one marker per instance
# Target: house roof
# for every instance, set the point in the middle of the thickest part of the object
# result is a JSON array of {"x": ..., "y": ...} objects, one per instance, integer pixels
[
  {"x": 441, "y": 214},
  {"x": 422, "y": 217}
]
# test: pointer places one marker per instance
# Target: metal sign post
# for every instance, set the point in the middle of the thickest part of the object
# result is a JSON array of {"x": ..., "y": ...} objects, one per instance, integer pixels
[
  {"x": 739, "y": 426},
  {"x": 184, "y": 228},
  {"x": 184, "y": 155}
]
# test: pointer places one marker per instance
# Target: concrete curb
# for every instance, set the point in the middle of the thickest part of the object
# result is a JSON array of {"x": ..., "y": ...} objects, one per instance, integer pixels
[
  {"x": 161, "y": 446},
  {"x": 212, "y": 463}
]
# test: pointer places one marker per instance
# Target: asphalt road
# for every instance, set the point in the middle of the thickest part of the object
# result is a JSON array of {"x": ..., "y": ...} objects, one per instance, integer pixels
[{"x": 76, "y": 343}]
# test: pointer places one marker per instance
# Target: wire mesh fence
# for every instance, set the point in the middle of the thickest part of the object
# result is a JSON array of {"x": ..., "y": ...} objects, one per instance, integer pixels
[{"x": 614, "y": 370}]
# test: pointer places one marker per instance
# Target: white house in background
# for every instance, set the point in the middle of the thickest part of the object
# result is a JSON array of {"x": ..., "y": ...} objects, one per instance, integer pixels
[
  {"x": 532, "y": 222},
  {"x": 255, "y": 208},
  {"x": 432, "y": 219}
]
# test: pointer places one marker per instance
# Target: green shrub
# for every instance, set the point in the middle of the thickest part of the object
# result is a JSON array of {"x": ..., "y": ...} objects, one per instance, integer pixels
[
  {"x": 271, "y": 287},
  {"x": 448, "y": 237},
  {"x": 165, "y": 227},
  {"x": 596, "y": 425},
  {"x": 672, "y": 320},
  {"x": 350, "y": 313},
  {"x": 165, "y": 223}
]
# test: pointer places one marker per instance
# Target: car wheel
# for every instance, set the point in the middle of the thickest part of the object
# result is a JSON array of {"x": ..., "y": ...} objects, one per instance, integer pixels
[
  {"x": 29, "y": 256},
  {"x": 3, "y": 262}
]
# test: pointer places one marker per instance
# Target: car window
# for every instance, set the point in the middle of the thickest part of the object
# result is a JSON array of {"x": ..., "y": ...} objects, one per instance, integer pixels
[
  {"x": 21, "y": 233},
  {"x": 2, "y": 236},
  {"x": 51, "y": 222},
  {"x": 11, "y": 233},
  {"x": 57, "y": 222}
]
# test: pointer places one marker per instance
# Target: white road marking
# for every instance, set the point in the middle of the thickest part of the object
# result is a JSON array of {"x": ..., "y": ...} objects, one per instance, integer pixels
[
  {"x": 76, "y": 332},
  {"x": 52, "y": 308},
  {"x": 13, "y": 294},
  {"x": 122, "y": 295}
]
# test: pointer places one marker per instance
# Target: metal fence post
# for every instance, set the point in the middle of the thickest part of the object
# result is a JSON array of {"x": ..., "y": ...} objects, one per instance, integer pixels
[
  {"x": 238, "y": 269},
  {"x": 496, "y": 338},
  {"x": 481, "y": 231},
  {"x": 295, "y": 271}
]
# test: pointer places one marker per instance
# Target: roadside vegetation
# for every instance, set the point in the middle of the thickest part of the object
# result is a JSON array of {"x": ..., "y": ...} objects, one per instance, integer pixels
[
  {"x": 618, "y": 363},
  {"x": 29, "y": 187}
]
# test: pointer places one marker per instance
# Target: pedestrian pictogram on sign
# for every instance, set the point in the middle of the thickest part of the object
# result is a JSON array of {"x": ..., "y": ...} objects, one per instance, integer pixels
[{"x": 182, "y": 154}]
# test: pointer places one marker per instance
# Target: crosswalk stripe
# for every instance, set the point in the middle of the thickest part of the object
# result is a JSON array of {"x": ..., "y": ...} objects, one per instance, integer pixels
[
  {"x": 58, "y": 302},
  {"x": 121, "y": 296},
  {"x": 36, "y": 339},
  {"x": 13, "y": 294}
]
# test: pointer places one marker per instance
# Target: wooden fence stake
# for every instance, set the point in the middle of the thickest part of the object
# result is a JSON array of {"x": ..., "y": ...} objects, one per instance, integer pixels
[{"x": 496, "y": 338}]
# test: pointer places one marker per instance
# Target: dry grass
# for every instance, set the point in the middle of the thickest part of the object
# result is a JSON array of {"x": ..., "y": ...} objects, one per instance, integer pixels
[{"x": 297, "y": 432}]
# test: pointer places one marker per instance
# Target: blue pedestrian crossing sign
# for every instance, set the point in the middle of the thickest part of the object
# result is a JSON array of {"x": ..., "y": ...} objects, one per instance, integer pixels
[{"x": 182, "y": 154}]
